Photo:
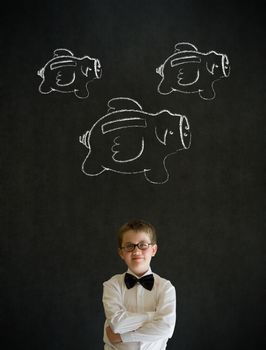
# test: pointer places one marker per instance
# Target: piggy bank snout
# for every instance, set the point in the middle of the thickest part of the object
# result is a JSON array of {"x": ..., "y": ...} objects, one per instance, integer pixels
[
  {"x": 185, "y": 133},
  {"x": 225, "y": 65},
  {"x": 97, "y": 69}
]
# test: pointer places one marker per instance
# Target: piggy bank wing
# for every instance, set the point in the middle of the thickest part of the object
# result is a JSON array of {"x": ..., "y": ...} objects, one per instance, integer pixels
[
  {"x": 187, "y": 74},
  {"x": 126, "y": 149}
]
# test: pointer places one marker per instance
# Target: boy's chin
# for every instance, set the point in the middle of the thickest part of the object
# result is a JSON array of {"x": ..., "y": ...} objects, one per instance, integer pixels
[{"x": 139, "y": 270}]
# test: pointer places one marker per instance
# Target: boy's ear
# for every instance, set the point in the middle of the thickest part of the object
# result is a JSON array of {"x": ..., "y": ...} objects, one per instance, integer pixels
[
  {"x": 120, "y": 253},
  {"x": 154, "y": 249}
]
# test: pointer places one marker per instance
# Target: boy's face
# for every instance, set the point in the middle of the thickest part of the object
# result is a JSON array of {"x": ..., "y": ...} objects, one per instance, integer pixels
[{"x": 138, "y": 261}]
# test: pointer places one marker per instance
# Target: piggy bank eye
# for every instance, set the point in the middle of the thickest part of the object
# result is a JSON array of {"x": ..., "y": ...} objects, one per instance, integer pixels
[{"x": 171, "y": 132}]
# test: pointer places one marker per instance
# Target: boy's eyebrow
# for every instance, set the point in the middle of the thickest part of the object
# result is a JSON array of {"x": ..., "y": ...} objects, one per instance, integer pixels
[{"x": 137, "y": 243}]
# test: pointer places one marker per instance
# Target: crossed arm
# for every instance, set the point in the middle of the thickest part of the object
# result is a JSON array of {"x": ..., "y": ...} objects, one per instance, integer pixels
[{"x": 128, "y": 326}]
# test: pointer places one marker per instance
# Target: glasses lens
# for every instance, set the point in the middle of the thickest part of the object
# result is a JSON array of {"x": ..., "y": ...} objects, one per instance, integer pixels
[
  {"x": 143, "y": 245},
  {"x": 129, "y": 247}
]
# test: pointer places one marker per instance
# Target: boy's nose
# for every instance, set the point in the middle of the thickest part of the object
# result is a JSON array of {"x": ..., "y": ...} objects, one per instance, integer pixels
[{"x": 136, "y": 250}]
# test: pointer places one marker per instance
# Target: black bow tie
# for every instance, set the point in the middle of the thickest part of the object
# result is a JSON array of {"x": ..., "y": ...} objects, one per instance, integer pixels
[{"x": 146, "y": 281}]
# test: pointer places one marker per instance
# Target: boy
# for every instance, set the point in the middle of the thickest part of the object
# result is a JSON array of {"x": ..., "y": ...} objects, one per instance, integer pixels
[{"x": 140, "y": 306}]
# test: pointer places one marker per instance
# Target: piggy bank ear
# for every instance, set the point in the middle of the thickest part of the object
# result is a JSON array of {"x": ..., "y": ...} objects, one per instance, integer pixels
[
  {"x": 161, "y": 134},
  {"x": 62, "y": 52},
  {"x": 212, "y": 61},
  {"x": 210, "y": 67}
]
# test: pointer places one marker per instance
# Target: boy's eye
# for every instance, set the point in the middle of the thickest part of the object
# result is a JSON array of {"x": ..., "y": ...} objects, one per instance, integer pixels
[
  {"x": 129, "y": 246},
  {"x": 143, "y": 245}
]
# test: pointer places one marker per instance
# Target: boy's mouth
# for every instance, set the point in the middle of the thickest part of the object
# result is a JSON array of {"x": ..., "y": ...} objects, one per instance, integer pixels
[{"x": 137, "y": 258}]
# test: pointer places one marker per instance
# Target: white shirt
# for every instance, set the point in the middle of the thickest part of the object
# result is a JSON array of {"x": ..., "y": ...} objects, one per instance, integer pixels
[{"x": 144, "y": 319}]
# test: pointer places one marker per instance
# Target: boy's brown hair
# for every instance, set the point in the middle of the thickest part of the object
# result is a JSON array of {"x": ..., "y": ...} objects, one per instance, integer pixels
[{"x": 137, "y": 225}]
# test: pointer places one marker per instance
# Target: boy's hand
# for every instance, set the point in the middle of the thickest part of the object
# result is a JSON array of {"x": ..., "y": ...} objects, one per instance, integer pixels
[{"x": 113, "y": 337}]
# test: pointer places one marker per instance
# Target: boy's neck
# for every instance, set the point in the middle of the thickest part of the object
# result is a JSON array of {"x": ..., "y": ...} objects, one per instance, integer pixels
[{"x": 139, "y": 275}]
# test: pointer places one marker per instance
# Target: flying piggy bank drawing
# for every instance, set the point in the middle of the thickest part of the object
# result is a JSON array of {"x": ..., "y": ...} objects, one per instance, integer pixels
[
  {"x": 128, "y": 140},
  {"x": 67, "y": 73},
  {"x": 191, "y": 71}
]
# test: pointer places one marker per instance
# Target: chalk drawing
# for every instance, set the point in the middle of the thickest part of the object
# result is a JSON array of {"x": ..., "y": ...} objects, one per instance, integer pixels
[
  {"x": 190, "y": 71},
  {"x": 66, "y": 73},
  {"x": 128, "y": 140}
]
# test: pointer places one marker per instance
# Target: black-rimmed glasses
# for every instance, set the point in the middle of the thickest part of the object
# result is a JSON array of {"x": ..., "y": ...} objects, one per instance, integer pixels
[{"x": 130, "y": 247}]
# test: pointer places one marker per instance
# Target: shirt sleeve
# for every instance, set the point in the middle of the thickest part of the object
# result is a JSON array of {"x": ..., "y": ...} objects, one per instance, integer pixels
[
  {"x": 118, "y": 318},
  {"x": 163, "y": 323}
]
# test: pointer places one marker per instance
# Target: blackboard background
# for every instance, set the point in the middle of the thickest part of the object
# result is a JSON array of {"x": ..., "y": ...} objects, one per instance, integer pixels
[{"x": 58, "y": 225}]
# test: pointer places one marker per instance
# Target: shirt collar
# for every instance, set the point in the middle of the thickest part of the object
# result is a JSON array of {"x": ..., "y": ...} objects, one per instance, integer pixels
[{"x": 146, "y": 273}]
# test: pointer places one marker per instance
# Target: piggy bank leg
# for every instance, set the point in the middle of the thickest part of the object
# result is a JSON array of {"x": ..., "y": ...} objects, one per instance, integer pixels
[
  {"x": 82, "y": 91},
  {"x": 165, "y": 87},
  {"x": 207, "y": 93},
  {"x": 157, "y": 176},
  {"x": 45, "y": 87},
  {"x": 91, "y": 166}
]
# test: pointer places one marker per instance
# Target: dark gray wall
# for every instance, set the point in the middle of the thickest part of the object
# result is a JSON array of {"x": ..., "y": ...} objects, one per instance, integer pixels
[{"x": 58, "y": 232}]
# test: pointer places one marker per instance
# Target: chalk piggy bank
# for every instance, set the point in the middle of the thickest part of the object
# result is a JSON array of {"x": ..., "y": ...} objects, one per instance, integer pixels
[
  {"x": 67, "y": 73},
  {"x": 128, "y": 140},
  {"x": 191, "y": 71}
]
